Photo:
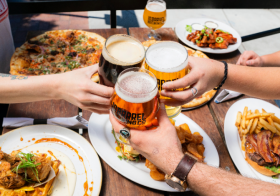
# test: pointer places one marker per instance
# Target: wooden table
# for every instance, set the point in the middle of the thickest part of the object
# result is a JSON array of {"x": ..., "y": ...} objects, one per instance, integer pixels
[{"x": 209, "y": 117}]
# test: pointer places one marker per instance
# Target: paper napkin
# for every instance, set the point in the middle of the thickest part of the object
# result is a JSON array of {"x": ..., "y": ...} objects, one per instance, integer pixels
[
  {"x": 75, "y": 122},
  {"x": 225, "y": 95}
]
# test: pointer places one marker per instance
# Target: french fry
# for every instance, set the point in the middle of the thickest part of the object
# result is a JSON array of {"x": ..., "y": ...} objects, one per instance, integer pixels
[
  {"x": 243, "y": 122},
  {"x": 260, "y": 125},
  {"x": 277, "y": 127},
  {"x": 269, "y": 127},
  {"x": 275, "y": 119},
  {"x": 263, "y": 111},
  {"x": 247, "y": 122},
  {"x": 240, "y": 131},
  {"x": 257, "y": 111},
  {"x": 238, "y": 119},
  {"x": 249, "y": 113},
  {"x": 257, "y": 115},
  {"x": 257, "y": 131},
  {"x": 250, "y": 124},
  {"x": 245, "y": 132},
  {"x": 255, "y": 123},
  {"x": 270, "y": 121}
]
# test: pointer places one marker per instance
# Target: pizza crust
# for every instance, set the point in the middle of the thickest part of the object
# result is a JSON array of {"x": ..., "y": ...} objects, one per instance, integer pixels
[
  {"x": 21, "y": 59},
  {"x": 207, "y": 96}
]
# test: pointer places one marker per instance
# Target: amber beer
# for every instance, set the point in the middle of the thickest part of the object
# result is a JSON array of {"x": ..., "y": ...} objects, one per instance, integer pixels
[
  {"x": 120, "y": 52},
  {"x": 155, "y": 14},
  {"x": 168, "y": 62},
  {"x": 135, "y": 101}
]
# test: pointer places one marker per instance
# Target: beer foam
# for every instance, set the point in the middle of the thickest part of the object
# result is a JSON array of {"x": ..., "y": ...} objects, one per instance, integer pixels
[
  {"x": 136, "y": 87},
  {"x": 167, "y": 56},
  {"x": 126, "y": 51},
  {"x": 156, "y": 6}
]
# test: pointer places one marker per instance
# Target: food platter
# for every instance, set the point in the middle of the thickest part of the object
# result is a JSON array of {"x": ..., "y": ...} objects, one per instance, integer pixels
[
  {"x": 100, "y": 133},
  {"x": 232, "y": 137},
  {"x": 86, "y": 163},
  {"x": 180, "y": 30}
]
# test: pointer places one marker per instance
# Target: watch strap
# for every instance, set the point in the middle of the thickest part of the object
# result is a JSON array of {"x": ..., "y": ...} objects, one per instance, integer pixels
[{"x": 184, "y": 167}]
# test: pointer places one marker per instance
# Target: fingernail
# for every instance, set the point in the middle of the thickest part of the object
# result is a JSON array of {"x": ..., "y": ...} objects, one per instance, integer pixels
[{"x": 165, "y": 85}]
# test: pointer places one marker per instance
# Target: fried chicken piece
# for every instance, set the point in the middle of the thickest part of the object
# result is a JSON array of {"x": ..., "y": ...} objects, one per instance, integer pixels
[
  {"x": 9, "y": 179},
  {"x": 191, "y": 147},
  {"x": 204, "y": 39},
  {"x": 43, "y": 169},
  {"x": 223, "y": 45},
  {"x": 155, "y": 173}
]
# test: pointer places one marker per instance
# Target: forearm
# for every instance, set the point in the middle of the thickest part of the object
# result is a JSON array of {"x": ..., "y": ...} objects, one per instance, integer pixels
[
  {"x": 262, "y": 82},
  {"x": 206, "y": 180},
  {"x": 15, "y": 89},
  {"x": 271, "y": 60}
]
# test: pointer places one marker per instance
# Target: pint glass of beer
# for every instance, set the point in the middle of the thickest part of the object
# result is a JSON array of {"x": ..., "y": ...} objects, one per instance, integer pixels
[
  {"x": 168, "y": 62},
  {"x": 154, "y": 17},
  {"x": 120, "y": 52}
]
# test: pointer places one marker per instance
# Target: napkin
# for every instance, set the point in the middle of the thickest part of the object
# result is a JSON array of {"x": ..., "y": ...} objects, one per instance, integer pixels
[
  {"x": 75, "y": 122},
  {"x": 226, "y": 95}
]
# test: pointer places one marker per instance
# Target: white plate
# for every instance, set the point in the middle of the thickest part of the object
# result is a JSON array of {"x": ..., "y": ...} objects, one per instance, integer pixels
[
  {"x": 100, "y": 133},
  {"x": 181, "y": 33},
  {"x": 232, "y": 137},
  {"x": 12, "y": 141}
]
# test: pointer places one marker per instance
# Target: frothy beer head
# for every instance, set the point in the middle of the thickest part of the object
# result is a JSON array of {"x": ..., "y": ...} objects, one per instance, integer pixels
[
  {"x": 167, "y": 56},
  {"x": 123, "y": 50},
  {"x": 156, "y": 6},
  {"x": 136, "y": 87}
]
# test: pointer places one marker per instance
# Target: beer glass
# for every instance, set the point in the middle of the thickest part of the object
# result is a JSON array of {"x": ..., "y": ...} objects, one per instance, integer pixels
[
  {"x": 168, "y": 61},
  {"x": 135, "y": 101},
  {"x": 154, "y": 17},
  {"x": 120, "y": 52}
]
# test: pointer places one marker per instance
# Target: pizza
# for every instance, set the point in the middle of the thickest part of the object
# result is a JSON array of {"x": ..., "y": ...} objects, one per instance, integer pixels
[
  {"x": 207, "y": 96},
  {"x": 57, "y": 52}
]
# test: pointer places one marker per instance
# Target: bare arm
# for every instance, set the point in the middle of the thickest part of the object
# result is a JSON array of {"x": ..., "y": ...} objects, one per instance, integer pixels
[
  {"x": 206, "y": 180},
  {"x": 205, "y": 74},
  {"x": 75, "y": 87},
  {"x": 271, "y": 60}
]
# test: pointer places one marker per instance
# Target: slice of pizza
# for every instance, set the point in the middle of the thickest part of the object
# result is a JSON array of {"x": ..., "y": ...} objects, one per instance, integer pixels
[
  {"x": 57, "y": 52},
  {"x": 207, "y": 96}
]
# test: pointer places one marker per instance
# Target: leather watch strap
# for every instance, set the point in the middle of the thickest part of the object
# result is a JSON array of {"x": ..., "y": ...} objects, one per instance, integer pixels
[{"x": 184, "y": 167}]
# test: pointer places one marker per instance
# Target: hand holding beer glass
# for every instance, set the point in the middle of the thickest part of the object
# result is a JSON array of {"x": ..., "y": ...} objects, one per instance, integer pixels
[
  {"x": 168, "y": 61},
  {"x": 154, "y": 17},
  {"x": 135, "y": 101}
]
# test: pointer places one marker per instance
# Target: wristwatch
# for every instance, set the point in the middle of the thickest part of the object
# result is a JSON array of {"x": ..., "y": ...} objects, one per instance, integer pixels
[{"x": 178, "y": 179}]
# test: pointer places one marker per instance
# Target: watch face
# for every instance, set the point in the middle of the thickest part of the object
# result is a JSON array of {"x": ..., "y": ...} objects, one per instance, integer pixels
[{"x": 175, "y": 185}]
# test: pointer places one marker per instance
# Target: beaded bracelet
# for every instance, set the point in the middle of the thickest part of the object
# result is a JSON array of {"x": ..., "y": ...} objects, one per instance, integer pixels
[{"x": 225, "y": 76}]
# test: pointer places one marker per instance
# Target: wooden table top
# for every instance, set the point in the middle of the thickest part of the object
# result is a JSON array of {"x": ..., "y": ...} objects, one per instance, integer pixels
[{"x": 209, "y": 117}]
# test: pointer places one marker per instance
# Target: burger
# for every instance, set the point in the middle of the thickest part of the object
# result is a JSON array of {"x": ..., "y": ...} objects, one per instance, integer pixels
[
  {"x": 126, "y": 151},
  {"x": 262, "y": 152}
]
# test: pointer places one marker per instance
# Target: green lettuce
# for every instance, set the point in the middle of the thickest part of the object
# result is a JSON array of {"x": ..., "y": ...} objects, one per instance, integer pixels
[{"x": 274, "y": 169}]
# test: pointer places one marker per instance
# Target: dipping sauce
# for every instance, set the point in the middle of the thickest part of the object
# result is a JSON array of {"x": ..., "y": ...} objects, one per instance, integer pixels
[
  {"x": 197, "y": 26},
  {"x": 211, "y": 25}
]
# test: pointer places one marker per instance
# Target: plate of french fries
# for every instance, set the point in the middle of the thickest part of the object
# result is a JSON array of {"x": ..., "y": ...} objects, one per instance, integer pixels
[{"x": 249, "y": 116}]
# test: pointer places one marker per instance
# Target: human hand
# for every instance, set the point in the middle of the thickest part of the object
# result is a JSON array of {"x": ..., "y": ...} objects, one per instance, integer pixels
[
  {"x": 205, "y": 75},
  {"x": 161, "y": 146},
  {"x": 77, "y": 88},
  {"x": 250, "y": 58}
]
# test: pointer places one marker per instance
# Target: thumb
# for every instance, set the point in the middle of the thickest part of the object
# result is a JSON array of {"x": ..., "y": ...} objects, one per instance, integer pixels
[{"x": 162, "y": 116}]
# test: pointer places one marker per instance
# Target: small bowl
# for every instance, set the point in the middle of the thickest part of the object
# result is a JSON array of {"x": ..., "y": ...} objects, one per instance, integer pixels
[
  {"x": 197, "y": 25},
  {"x": 214, "y": 25}
]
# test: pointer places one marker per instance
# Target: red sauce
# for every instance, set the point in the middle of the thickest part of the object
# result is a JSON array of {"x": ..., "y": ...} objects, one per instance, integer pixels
[
  {"x": 60, "y": 142},
  {"x": 21, "y": 139},
  {"x": 33, "y": 139},
  {"x": 28, "y": 140},
  {"x": 90, "y": 188},
  {"x": 91, "y": 182},
  {"x": 86, "y": 188},
  {"x": 51, "y": 153}
]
